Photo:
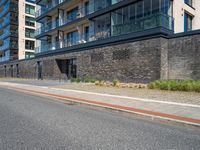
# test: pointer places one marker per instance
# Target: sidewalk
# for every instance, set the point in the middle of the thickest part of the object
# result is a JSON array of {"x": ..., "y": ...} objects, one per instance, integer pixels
[{"x": 171, "y": 110}]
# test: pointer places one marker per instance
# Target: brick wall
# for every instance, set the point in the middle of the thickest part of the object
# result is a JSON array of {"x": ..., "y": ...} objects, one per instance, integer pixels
[{"x": 140, "y": 61}]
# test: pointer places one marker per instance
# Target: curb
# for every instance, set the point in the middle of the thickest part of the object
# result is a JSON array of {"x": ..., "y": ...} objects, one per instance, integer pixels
[{"x": 165, "y": 116}]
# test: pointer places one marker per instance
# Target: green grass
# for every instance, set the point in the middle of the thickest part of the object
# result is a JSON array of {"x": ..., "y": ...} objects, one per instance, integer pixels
[{"x": 176, "y": 85}]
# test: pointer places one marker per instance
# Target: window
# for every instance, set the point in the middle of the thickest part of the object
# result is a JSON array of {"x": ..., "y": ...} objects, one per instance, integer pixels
[
  {"x": 29, "y": 55},
  {"x": 72, "y": 38},
  {"x": 189, "y": 2},
  {"x": 29, "y": 44},
  {"x": 86, "y": 8},
  {"x": 30, "y": 21},
  {"x": 187, "y": 22},
  {"x": 102, "y": 26},
  {"x": 30, "y": 9},
  {"x": 86, "y": 33},
  {"x": 72, "y": 14},
  {"x": 29, "y": 33}
]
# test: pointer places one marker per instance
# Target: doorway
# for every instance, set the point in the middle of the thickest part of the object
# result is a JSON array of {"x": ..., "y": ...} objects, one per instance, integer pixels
[{"x": 39, "y": 70}]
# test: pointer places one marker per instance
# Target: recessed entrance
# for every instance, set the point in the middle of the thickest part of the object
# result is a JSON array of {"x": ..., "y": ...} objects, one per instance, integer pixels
[{"x": 68, "y": 67}]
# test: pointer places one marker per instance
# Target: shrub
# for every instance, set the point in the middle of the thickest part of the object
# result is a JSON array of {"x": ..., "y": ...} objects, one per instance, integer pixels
[
  {"x": 73, "y": 79},
  {"x": 87, "y": 80},
  {"x": 78, "y": 80},
  {"x": 93, "y": 80},
  {"x": 175, "y": 85},
  {"x": 115, "y": 82}
]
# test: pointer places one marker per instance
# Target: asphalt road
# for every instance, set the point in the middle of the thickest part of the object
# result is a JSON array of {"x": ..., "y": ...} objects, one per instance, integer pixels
[{"x": 35, "y": 123}]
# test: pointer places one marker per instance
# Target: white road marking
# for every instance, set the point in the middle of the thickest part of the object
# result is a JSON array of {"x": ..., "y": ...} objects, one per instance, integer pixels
[{"x": 105, "y": 95}]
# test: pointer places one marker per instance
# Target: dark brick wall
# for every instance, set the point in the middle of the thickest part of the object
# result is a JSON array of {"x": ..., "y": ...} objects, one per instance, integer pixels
[
  {"x": 184, "y": 57},
  {"x": 140, "y": 61}
]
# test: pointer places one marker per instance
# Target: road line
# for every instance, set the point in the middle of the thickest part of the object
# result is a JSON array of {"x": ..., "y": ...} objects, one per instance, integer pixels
[
  {"x": 115, "y": 96},
  {"x": 112, "y": 106}
]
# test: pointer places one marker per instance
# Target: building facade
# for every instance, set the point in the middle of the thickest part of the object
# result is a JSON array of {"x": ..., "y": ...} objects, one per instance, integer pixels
[
  {"x": 64, "y": 23},
  {"x": 17, "y": 29},
  {"x": 129, "y": 40}
]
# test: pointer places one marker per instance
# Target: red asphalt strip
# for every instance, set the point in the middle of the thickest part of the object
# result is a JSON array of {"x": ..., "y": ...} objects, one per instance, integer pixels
[{"x": 117, "y": 107}]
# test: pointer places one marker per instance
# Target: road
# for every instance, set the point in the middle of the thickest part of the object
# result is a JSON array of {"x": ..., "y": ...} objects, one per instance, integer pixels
[{"x": 29, "y": 122}]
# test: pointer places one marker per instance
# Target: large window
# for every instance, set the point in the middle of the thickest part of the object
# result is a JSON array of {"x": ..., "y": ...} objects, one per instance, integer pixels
[
  {"x": 187, "y": 22},
  {"x": 29, "y": 33},
  {"x": 29, "y": 45},
  {"x": 102, "y": 26},
  {"x": 142, "y": 15},
  {"x": 30, "y": 9},
  {"x": 72, "y": 38},
  {"x": 72, "y": 14},
  {"x": 29, "y": 55},
  {"x": 30, "y": 21},
  {"x": 100, "y": 4},
  {"x": 189, "y": 2}
]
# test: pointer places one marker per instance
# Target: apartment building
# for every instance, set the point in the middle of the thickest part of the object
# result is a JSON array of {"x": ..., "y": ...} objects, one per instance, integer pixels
[
  {"x": 63, "y": 23},
  {"x": 17, "y": 29},
  {"x": 77, "y": 25}
]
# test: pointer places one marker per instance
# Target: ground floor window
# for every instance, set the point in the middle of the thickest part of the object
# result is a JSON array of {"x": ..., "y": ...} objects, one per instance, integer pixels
[{"x": 29, "y": 55}]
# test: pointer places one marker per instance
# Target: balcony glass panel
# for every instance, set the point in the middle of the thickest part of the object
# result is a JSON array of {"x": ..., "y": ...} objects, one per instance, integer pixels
[
  {"x": 140, "y": 16},
  {"x": 5, "y": 9},
  {"x": 2, "y": 2}
]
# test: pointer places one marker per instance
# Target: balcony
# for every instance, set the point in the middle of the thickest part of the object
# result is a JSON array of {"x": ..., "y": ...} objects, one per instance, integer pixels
[
  {"x": 9, "y": 31},
  {"x": 81, "y": 13},
  {"x": 145, "y": 23},
  {"x": 161, "y": 21},
  {"x": 9, "y": 44},
  {"x": 9, "y": 6},
  {"x": 8, "y": 19},
  {"x": 4, "y": 58},
  {"x": 49, "y": 6},
  {"x": 2, "y": 2},
  {"x": 93, "y": 7}
]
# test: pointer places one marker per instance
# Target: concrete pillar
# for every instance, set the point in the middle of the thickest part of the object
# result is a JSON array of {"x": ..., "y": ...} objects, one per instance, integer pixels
[
  {"x": 164, "y": 62},
  {"x": 61, "y": 17}
]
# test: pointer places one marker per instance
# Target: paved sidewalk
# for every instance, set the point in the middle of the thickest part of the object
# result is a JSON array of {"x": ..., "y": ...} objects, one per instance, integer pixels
[
  {"x": 182, "y": 112},
  {"x": 161, "y": 95}
]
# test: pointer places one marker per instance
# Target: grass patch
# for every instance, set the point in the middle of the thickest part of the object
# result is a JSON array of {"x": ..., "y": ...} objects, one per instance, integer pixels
[{"x": 176, "y": 85}]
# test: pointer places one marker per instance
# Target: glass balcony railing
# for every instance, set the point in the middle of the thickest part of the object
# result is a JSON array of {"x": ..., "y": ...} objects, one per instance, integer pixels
[
  {"x": 5, "y": 45},
  {"x": 48, "y": 7},
  {"x": 9, "y": 44},
  {"x": 91, "y": 8},
  {"x": 8, "y": 19},
  {"x": 145, "y": 23},
  {"x": 5, "y": 9},
  {"x": 4, "y": 58},
  {"x": 2, "y": 2},
  {"x": 9, "y": 6},
  {"x": 6, "y": 32},
  {"x": 80, "y": 13}
]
